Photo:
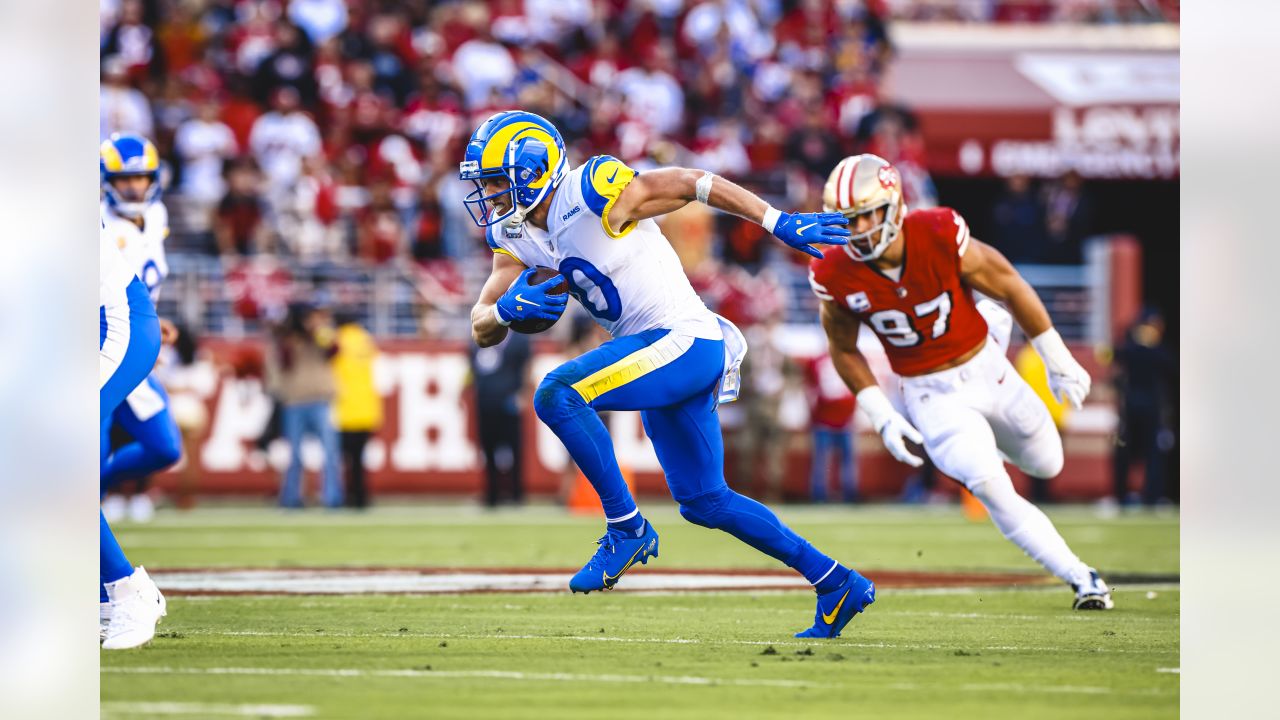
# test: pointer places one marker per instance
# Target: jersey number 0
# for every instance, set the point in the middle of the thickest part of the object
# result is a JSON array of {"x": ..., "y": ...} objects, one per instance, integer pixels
[{"x": 583, "y": 277}]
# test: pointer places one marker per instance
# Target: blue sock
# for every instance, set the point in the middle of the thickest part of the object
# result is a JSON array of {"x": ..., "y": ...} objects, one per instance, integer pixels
[
  {"x": 102, "y": 591},
  {"x": 633, "y": 525},
  {"x": 758, "y": 526},
  {"x": 584, "y": 435},
  {"x": 833, "y": 580},
  {"x": 112, "y": 563}
]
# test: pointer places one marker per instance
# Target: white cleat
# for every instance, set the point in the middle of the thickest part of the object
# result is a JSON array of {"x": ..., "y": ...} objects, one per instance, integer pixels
[
  {"x": 136, "y": 607},
  {"x": 1093, "y": 594},
  {"x": 141, "y": 508},
  {"x": 104, "y": 619}
]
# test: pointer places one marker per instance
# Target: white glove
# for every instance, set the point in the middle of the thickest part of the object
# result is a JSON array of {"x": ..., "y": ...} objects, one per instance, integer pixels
[
  {"x": 890, "y": 424},
  {"x": 1067, "y": 380}
]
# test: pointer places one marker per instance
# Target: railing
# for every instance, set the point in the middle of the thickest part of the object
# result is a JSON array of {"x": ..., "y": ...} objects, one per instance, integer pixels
[{"x": 238, "y": 299}]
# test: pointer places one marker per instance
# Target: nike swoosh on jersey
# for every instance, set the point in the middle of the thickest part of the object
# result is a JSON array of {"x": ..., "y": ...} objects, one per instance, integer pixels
[
  {"x": 614, "y": 175},
  {"x": 800, "y": 230},
  {"x": 521, "y": 299},
  {"x": 830, "y": 619}
]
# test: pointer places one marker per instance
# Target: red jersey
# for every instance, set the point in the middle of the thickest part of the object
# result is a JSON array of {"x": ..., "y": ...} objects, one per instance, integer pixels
[
  {"x": 831, "y": 403},
  {"x": 925, "y": 318}
]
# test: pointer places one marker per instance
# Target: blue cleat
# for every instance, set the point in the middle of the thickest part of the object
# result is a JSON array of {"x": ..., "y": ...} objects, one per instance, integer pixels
[
  {"x": 618, "y": 551},
  {"x": 837, "y": 608}
]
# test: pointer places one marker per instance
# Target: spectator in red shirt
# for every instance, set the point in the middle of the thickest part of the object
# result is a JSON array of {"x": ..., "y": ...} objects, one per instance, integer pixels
[
  {"x": 237, "y": 224},
  {"x": 831, "y": 408},
  {"x": 380, "y": 233}
]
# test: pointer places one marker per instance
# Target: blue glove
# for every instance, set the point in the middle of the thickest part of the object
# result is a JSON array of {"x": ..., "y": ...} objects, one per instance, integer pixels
[
  {"x": 798, "y": 230},
  {"x": 523, "y": 301}
]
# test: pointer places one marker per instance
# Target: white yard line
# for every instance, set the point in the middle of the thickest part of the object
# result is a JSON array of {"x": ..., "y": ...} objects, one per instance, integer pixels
[
  {"x": 1074, "y": 617},
  {"x": 453, "y": 674},
  {"x": 1173, "y": 671},
  {"x": 340, "y": 581},
  {"x": 649, "y": 641},
  {"x": 608, "y": 678},
  {"x": 112, "y": 709}
]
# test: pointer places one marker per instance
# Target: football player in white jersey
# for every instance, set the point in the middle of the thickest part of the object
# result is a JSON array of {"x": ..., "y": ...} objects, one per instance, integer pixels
[
  {"x": 670, "y": 357},
  {"x": 128, "y": 344},
  {"x": 136, "y": 222}
]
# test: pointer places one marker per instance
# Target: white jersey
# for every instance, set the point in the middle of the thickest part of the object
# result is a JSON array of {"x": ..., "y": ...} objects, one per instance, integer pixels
[
  {"x": 114, "y": 277},
  {"x": 629, "y": 278},
  {"x": 143, "y": 247}
]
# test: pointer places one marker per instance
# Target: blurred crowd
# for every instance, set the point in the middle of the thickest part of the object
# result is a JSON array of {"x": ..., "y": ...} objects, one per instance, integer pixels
[
  {"x": 323, "y": 133},
  {"x": 324, "y": 129}
]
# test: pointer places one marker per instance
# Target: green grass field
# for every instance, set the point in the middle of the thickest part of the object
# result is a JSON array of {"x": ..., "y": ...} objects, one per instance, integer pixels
[{"x": 918, "y": 652}]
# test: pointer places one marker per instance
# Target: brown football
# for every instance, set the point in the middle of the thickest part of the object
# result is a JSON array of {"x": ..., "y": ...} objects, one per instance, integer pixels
[{"x": 541, "y": 274}]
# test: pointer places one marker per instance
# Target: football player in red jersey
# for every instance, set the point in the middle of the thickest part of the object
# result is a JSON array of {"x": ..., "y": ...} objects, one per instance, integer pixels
[{"x": 911, "y": 277}]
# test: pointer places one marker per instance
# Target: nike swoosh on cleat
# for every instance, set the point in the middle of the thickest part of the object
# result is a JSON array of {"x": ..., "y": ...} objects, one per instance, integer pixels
[
  {"x": 521, "y": 299},
  {"x": 609, "y": 580},
  {"x": 800, "y": 230},
  {"x": 831, "y": 619}
]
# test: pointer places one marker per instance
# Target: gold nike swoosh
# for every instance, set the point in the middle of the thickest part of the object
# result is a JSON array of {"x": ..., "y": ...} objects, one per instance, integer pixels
[
  {"x": 613, "y": 579},
  {"x": 830, "y": 619}
]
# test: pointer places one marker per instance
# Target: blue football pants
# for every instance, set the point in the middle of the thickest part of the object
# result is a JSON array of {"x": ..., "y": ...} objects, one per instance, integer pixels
[
  {"x": 672, "y": 379},
  {"x": 139, "y": 358},
  {"x": 156, "y": 442}
]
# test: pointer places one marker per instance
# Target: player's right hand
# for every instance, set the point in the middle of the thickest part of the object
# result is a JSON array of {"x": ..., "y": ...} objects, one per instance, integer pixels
[
  {"x": 798, "y": 230},
  {"x": 895, "y": 432},
  {"x": 523, "y": 301},
  {"x": 894, "y": 429}
]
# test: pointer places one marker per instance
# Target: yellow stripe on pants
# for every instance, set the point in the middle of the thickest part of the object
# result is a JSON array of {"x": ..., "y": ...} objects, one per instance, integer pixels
[{"x": 634, "y": 366}]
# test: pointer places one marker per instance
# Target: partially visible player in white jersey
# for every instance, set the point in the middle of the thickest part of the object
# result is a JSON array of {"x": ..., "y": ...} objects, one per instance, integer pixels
[
  {"x": 137, "y": 223},
  {"x": 128, "y": 344},
  {"x": 670, "y": 357}
]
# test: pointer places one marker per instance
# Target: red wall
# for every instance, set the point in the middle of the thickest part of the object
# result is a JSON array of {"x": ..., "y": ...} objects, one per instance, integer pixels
[{"x": 427, "y": 444}]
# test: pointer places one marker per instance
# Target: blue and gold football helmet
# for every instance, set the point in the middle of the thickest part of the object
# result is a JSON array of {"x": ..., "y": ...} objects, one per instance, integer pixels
[
  {"x": 123, "y": 155},
  {"x": 522, "y": 147}
]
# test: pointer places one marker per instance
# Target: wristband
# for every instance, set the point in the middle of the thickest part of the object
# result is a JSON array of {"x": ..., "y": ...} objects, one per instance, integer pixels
[
  {"x": 498, "y": 316},
  {"x": 1049, "y": 346},
  {"x": 703, "y": 187},
  {"x": 875, "y": 404},
  {"x": 771, "y": 217}
]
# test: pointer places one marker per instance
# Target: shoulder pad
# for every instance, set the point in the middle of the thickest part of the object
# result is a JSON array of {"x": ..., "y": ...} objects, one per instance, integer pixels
[{"x": 603, "y": 179}]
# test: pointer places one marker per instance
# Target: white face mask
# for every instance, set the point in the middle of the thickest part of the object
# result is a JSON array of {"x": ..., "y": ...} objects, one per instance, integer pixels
[{"x": 881, "y": 236}]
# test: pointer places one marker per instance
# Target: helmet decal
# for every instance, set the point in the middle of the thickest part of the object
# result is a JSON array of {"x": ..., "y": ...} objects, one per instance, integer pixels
[{"x": 863, "y": 184}]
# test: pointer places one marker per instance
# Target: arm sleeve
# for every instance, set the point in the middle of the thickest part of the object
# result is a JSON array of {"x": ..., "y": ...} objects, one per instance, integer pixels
[{"x": 603, "y": 180}]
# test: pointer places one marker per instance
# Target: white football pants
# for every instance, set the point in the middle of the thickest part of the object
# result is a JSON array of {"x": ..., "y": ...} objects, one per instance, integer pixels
[{"x": 974, "y": 416}]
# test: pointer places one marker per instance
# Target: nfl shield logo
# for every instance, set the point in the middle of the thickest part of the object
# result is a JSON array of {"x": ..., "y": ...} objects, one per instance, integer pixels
[{"x": 858, "y": 302}]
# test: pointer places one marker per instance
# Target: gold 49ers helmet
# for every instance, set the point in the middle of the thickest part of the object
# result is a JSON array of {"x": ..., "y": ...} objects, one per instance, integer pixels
[{"x": 861, "y": 184}]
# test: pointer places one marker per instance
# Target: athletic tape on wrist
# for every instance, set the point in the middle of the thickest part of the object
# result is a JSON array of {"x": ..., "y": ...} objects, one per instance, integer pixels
[
  {"x": 1050, "y": 347},
  {"x": 771, "y": 217},
  {"x": 703, "y": 187},
  {"x": 498, "y": 316},
  {"x": 875, "y": 404}
]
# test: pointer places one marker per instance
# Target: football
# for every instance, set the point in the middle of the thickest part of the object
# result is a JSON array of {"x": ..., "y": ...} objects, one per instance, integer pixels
[{"x": 541, "y": 275}]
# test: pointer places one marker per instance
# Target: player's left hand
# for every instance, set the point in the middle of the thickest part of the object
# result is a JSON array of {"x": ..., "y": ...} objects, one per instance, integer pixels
[
  {"x": 800, "y": 230},
  {"x": 168, "y": 332},
  {"x": 1068, "y": 381}
]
